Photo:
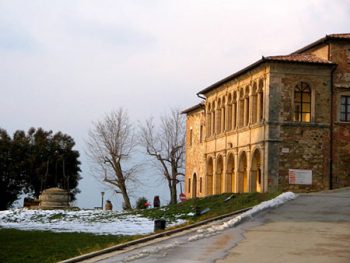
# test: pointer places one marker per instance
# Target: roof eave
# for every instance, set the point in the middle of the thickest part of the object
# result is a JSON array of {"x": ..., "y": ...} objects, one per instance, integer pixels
[
  {"x": 252, "y": 66},
  {"x": 232, "y": 76},
  {"x": 193, "y": 108}
]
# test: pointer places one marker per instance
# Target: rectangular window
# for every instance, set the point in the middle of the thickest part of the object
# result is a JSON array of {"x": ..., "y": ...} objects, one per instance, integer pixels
[
  {"x": 191, "y": 137},
  {"x": 189, "y": 185},
  {"x": 201, "y": 134},
  {"x": 345, "y": 108}
]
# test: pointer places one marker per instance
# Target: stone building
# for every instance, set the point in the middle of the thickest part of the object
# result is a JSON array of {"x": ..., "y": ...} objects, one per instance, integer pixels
[{"x": 282, "y": 122}]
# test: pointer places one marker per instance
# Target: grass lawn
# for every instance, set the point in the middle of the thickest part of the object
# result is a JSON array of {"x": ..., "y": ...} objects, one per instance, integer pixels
[
  {"x": 217, "y": 204},
  {"x": 44, "y": 246}
]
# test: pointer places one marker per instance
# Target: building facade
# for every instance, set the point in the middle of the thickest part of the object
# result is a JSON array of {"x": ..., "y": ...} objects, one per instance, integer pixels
[{"x": 280, "y": 123}]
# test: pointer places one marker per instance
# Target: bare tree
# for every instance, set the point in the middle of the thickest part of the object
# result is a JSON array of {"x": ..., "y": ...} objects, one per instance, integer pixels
[
  {"x": 167, "y": 145},
  {"x": 111, "y": 142}
]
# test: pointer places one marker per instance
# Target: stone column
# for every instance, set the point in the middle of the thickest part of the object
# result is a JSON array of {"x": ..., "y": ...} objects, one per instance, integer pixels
[
  {"x": 235, "y": 154},
  {"x": 214, "y": 175},
  {"x": 224, "y": 173},
  {"x": 249, "y": 162}
]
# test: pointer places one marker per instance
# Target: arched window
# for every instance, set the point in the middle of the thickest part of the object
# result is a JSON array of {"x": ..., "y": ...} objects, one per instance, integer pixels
[
  {"x": 254, "y": 103},
  {"x": 261, "y": 101},
  {"x": 229, "y": 113},
  {"x": 241, "y": 108},
  {"x": 234, "y": 111},
  {"x": 302, "y": 102},
  {"x": 191, "y": 136},
  {"x": 218, "y": 117},
  {"x": 209, "y": 120},
  {"x": 223, "y": 115},
  {"x": 247, "y": 106}
]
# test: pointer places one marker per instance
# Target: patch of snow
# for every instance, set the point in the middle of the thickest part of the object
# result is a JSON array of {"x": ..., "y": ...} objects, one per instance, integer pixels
[
  {"x": 212, "y": 230},
  {"x": 209, "y": 231},
  {"x": 87, "y": 221}
]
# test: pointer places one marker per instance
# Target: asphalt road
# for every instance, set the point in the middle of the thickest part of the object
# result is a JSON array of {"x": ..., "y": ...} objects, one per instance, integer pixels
[{"x": 311, "y": 228}]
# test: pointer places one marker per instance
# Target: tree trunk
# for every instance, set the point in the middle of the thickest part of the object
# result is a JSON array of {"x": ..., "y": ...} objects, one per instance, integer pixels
[
  {"x": 173, "y": 192},
  {"x": 127, "y": 204}
]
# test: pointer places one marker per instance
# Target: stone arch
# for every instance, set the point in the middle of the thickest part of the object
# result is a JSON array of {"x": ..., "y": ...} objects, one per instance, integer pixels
[
  {"x": 256, "y": 172},
  {"x": 210, "y": 171},
  {"x": 230, "y": 173},
  {"x": 194, "y": 185},
  {"x": 243, "y": 173},
  {"x": 220, "y": 181}
]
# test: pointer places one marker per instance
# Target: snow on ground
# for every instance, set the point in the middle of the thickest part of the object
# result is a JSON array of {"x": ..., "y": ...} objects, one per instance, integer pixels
[
  {"x": 88, "y": 221},
  {"x": 206, "y": 231}
]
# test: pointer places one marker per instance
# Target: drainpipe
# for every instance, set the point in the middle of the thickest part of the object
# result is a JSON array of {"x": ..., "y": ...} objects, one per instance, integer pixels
[{"x": 199, "y": 96}]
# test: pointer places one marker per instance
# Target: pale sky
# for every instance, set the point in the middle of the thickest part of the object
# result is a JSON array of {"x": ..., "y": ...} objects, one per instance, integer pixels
[{"x": 64, "y": 64}]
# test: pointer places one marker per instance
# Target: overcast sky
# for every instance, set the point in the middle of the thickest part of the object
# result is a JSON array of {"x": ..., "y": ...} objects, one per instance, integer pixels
[{"x": 64, "y": 64}]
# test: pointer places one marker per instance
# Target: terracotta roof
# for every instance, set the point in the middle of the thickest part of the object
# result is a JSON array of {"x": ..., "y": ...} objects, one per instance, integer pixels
[
  {"x": 193, "y": 108},
  {"x": 293, "y": 58},
  {"x": 344, "y": 36},
  {"x": 303, "y": 58}
]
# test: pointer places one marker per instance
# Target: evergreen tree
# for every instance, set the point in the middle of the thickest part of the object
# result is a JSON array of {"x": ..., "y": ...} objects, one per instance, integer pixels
[{"x": 35, "y": 161}]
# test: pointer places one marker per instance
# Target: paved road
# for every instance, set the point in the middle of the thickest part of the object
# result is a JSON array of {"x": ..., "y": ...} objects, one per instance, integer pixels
[{"x": 312, "y": 228}]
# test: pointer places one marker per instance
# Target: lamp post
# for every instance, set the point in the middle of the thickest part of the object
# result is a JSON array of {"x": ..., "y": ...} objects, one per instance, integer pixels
[{"x": 102, "y": 194}]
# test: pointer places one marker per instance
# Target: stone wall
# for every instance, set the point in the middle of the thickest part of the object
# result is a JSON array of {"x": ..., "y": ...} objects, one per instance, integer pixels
[
  {"x": 299, "y": 145},
  {"x": 340, "y": 54},
  {"x": 195, "y": 160}
]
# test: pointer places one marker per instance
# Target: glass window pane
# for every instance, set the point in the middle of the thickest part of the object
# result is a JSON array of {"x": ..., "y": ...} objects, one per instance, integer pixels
[
  {"x": 348, "y": 119},
  {"x": 297, "y": 97},
  {"x": 297, "y": 116},
  {"x": 342, "y": 116},
  {"x": 342, "y": 99},
  {"x": 306, "y": 107},
  {"x": 306, "y": 97},
  {"x": 306, "y": 117},
  {"x": 348, "y": 108},
  {"x": 342, "y": 108},
  {"x": 297, "y": 108}
]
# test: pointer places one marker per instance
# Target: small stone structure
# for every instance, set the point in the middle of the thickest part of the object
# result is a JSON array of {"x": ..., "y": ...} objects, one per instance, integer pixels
[
  {"x": 108, "y": 205},
  {"x": 54, "y": 198}
]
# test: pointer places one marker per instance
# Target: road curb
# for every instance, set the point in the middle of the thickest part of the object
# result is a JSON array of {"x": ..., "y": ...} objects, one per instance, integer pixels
[{"x": 150, "y": 237}]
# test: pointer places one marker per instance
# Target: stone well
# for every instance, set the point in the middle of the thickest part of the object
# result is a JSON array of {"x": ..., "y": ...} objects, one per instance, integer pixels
[{"x": 54, "y": 198}]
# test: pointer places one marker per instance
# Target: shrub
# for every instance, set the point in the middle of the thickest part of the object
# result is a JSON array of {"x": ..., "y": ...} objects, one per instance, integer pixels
[{"x": 142, "y": 203}]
